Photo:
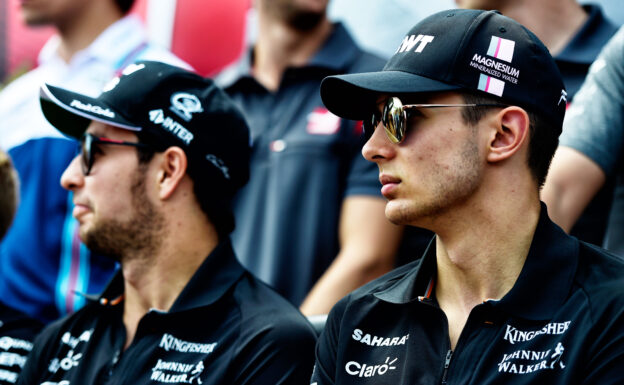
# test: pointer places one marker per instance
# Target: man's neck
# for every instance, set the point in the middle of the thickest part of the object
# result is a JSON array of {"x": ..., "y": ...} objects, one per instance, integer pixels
[
  {"x": 77, "y": 33},
  {"x": 155, "y": 281},
  {"x": 555, "y": 22},
  {"x": 280, "y": 46},
  {"x": 481, "y": 249}
]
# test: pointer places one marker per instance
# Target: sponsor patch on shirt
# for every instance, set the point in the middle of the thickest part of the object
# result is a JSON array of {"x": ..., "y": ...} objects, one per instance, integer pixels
[
  {"x": 524, "y": 361},
  {"x": 173, "y": 372},
  {"x": 322, "y": 122},
  {"x": 373, "y": 340},
  {"x": 169, "y": 342}
]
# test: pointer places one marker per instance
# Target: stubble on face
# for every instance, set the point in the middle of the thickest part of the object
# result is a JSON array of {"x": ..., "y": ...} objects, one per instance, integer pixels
[
  {"x": 134, "y": 238},
  {"x": 447, "y": 188}
]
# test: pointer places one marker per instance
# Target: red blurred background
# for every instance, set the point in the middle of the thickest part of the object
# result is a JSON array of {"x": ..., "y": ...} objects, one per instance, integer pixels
[{"x": 208, "y": 34}]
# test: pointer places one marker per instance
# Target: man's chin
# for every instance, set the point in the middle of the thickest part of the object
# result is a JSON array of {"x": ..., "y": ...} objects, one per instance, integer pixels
[
  {"x": 396, "y": 213},
  {"x": 94, "y": 244}
]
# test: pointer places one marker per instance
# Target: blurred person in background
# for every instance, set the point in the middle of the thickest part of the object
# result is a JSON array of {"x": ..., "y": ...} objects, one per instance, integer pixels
[
  {"x": 574, "y": 34},
  {"x": 299, "y": 218},
  {"x": 592, "y": 146},
  {"x": 17, "y": 330},
  {"x": 46, "y": 270}
]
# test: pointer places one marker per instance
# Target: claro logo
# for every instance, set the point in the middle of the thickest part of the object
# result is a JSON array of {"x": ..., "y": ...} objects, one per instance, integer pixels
[{"x": 365, "y": 370}]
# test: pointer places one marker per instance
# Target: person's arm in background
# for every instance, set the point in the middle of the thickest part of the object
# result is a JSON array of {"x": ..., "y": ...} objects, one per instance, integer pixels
[
  {"x": 572, "y": 182},
  {"x": 592, "y": 141},
  {"x": 368, "y": 245}
]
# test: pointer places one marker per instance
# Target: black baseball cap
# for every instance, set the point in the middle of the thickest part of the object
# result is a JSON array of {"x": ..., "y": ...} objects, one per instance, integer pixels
[
  {"x": 455, "y": 50},
  {"x": 170, "y": 106}
]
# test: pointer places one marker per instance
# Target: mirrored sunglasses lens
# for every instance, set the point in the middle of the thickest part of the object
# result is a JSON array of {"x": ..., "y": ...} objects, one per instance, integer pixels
[
  {"x": 394, "y": 120},
  {"x": 370, "y": 124}
]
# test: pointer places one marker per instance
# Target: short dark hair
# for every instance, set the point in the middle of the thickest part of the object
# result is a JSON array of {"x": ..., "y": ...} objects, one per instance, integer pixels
[
  {"x": 543, "y": 136},
  {"x": 216, "y": 206},
  {"x": 125, "y": 5},
  {"x": 8, "y": 193}
]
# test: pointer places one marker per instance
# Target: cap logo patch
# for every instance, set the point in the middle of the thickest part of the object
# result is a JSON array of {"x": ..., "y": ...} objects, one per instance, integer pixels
[
  {"x": 111, "y": 84},
  {"x": 410, "y": 41},
  {"x": 491, "y": 85},
  {"x": 563, "y": 97},
  {"x": 494, "y": 73},
  {"x": 132, "y": 68},
  {"x": 185, "y": 105},
  {"x": 93, "y": 109},
  {"x": 158, "y": 117},
  {"x": 502, "y": 49},
  {"x": 220, "y": 164}
]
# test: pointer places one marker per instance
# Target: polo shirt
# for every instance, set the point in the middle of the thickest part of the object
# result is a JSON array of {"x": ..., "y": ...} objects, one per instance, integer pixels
[
  {"x": 573, "y": 63},
  {"x": 225, "y": 327},
  {"x": 17, "y": 331},
  {"x": 574, "y": 60},
  {"x": 561, "y": 323},
  {"x": 593, "y": 126},
  {"x": 305, "y": 161}
]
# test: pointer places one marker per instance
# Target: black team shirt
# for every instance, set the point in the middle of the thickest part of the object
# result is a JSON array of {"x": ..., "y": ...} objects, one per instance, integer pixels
[
  {"x": 226, "y": 327},
  {"x": 561, "y": 323}
]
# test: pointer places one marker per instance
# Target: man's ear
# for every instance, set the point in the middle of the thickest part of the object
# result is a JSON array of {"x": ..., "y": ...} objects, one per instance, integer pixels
[
  {"x": 511, "y": 132},
  {"x": 172, "y": 170}
]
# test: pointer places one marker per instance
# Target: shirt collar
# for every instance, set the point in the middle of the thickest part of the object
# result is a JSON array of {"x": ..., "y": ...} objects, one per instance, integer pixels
[
  {"x": 219, "y": 271},
  {"x": 589, "y": 39},
  {"x": 415, "y": 283},
  {"x": 547, "y": 275},
  {"x": 335, "y": 56},
  {"x": 542, "y": 286}
]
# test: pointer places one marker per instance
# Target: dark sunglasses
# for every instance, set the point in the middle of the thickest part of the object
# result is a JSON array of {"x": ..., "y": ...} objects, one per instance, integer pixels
[
  {"x": 394, "y": 117},
  {"x": 89, "y": 145}
]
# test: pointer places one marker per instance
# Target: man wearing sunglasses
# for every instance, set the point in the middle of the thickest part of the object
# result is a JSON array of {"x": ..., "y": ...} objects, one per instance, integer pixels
[
  {"x": 162, "y": 151},
  {"x": 463, "y": 122}
]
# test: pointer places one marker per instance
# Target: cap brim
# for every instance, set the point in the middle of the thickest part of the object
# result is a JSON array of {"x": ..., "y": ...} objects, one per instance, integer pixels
[
  {"x": 71, "y": 112},
  {"x": 353, "y": 96}
]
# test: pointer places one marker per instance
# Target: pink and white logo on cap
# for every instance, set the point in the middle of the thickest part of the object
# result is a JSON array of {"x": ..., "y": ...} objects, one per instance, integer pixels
[
  {"x": 491, "y": 85},
  {"x": 502, "y": 49}
]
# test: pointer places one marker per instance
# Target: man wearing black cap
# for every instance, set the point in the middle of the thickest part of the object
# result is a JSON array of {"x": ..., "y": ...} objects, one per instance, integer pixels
[
  {"x": 462, "y": 122},
  {"x": 162, "y": 152}
]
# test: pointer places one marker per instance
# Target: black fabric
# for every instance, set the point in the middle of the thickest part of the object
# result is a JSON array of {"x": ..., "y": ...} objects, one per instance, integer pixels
[
  {"x": 17, "y": 331},
  {"x": 225, "y": 327},
  {"x": 170, "y": 105},
  {"x": 561, "y": 323}
]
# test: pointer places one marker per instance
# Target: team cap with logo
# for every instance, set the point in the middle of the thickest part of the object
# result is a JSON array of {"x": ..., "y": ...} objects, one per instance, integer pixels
[
  {"x": 171, "y": 107},
  {"x": 456, "y": 50}
]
